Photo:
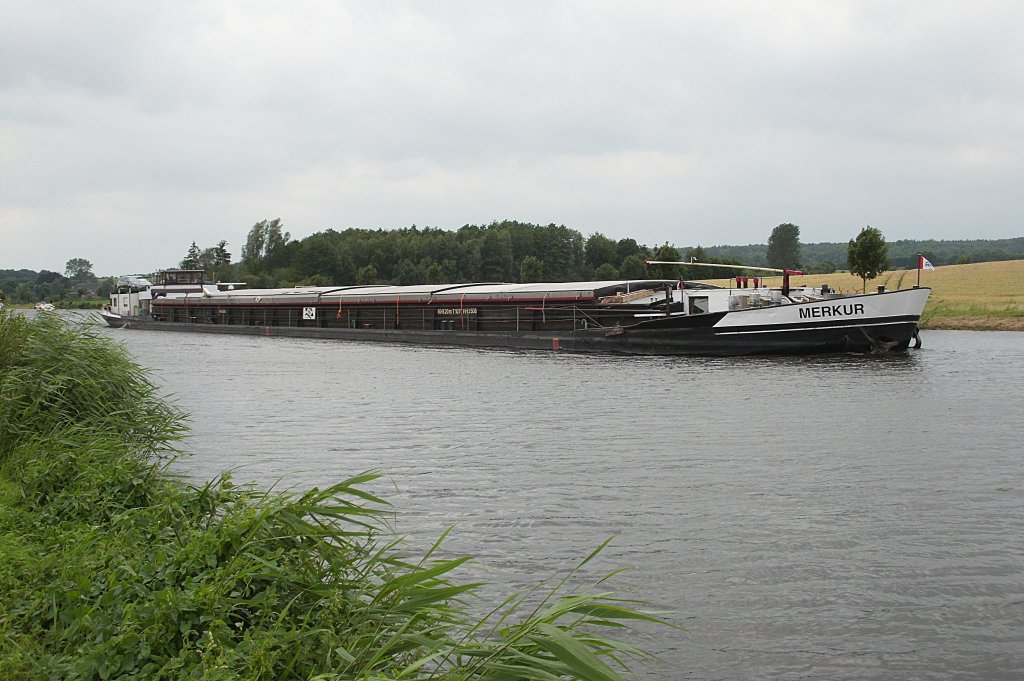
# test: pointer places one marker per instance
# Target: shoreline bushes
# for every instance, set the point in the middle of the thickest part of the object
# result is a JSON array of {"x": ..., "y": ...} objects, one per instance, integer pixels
[{"x": 113, "y": 568}]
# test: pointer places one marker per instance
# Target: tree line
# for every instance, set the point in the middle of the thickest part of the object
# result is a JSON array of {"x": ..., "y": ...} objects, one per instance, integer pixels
[
  {"x": 77, "y": 284},
  {"x": 508, "y": 251},
  {"x": 827, "y": 257},
  {"x": 512, "y": 251}
]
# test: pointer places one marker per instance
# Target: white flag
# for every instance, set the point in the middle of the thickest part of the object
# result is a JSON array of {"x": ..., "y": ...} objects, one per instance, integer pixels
[{"x": 923, "y": 264}]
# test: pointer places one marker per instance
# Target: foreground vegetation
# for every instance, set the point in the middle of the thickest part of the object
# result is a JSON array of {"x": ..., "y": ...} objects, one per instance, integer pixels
[
  {"x": 112, "y": 568},
  {"x": 987, "y": 296}
]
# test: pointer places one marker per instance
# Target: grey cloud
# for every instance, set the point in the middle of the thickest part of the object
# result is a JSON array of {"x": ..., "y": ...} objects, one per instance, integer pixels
[{"x": 686, "y": 122}]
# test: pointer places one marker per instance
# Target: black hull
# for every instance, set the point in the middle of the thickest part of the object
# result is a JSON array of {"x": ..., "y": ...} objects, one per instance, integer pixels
[{"x": 651, "y": 338}]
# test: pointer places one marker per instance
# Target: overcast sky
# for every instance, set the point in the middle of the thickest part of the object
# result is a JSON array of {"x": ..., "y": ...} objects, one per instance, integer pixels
[{"x": 130, "y": 129}]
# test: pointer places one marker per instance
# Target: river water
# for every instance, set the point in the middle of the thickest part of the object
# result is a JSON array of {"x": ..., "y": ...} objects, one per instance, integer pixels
[{"x": 825, "y": 517}]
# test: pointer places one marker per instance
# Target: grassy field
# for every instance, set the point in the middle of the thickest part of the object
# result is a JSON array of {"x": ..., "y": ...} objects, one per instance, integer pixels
[{"x": 987, "y": 295}]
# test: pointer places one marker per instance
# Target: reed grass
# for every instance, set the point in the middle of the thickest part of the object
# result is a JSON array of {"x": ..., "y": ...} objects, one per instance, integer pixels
[{"x": 114, "y": 568}]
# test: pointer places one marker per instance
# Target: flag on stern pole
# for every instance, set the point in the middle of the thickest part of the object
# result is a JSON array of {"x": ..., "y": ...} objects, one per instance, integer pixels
[{"x": 922, "y": 264}]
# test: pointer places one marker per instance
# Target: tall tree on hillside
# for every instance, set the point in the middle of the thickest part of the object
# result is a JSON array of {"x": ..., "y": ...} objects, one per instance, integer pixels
[
  {"x": 668, "y": 253},
  {"x": 496, "y": 256},
  {"x": 599, "y": 250},
  {"x": 79, "y": 269},
  {"x": 632, "y": 267},
  {"x": 255, "y": 244},
  {"x": 265, "y": 245},
  {"x": 208, "y": 261},
  {"x": 367, "y": 275},
  {"x": 277, "y": 243},
  {"x": 221, "y": 255},
  {"x": 625, "y": 248},
  {"x": 316, "y": 255},
  {"x": 192, "y": 259},
  {"x": 868, "y": 255},
  {"x": 784, "y": 247},
  {"x": 531, "y": 269},
  {"x": 562, "y": 251}
]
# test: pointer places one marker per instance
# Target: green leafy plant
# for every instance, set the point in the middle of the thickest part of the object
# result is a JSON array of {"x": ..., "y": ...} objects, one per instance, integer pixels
[{"x": 114, "y": 568}]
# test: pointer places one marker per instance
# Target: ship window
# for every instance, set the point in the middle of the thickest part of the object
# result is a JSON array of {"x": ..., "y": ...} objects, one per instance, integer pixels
[{"x": 698, "y": 304}]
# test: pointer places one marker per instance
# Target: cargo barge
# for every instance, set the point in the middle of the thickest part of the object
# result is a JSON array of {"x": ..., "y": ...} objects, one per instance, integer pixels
[{"x": 652, "y": 316}]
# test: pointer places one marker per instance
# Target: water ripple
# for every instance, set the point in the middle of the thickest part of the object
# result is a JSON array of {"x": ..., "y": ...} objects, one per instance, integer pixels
[{"x": 834, "y": 517}]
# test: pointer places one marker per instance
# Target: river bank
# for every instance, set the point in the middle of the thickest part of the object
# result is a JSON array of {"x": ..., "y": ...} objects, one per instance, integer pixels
[
  {"x": 115, "y": 567},
  {"x": 976, "y": 323}
]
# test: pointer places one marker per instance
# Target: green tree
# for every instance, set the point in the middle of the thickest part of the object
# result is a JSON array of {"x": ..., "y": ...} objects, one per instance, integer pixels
[
  {"x": 24, "y": 293},
  {"x": 531, "y": 269},
  {"x": 367, "y": 275},
  {"x": 316, "y": 255},
  {"x": 255, "y": 245},
  {"x": 633, "y": 267},
  {"x": 408, "y": 273},
  {"x": 47, "y": 277},
  {"x": 606, "y": 272},
  {"x": 435, "y": 274},
  {"x": 625, "y": 248},
  {"x": 193, "y": 259},
  {"x": 277, "y": 244},
  {"x": 208, "y": 261},
  {"x": 468, "y": 262},
  {"x": 826, "y": 267},
  {"x": 868, "y": 255},
  {"x": 78, "y": 270},
  {"x": 784, "y": 247},
  {"x": 600, "y": 250},
  {"x": 265, "y": 245},
  {"x": 496, "y": 255},
  {"x": 696, "y": 254},
  {"x": 221, "y": 253},
  {"x": 562, "y": 251},
  {"x": 106, "y": 287},
  {"x": 665, "y": 253}
]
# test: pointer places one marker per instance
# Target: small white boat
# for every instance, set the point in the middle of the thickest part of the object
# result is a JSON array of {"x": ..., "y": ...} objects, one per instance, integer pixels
[{"x": 45, "y": 307}]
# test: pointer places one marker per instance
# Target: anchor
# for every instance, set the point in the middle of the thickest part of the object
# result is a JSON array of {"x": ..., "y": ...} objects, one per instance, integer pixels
[{"x": 877, "y": 346}]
